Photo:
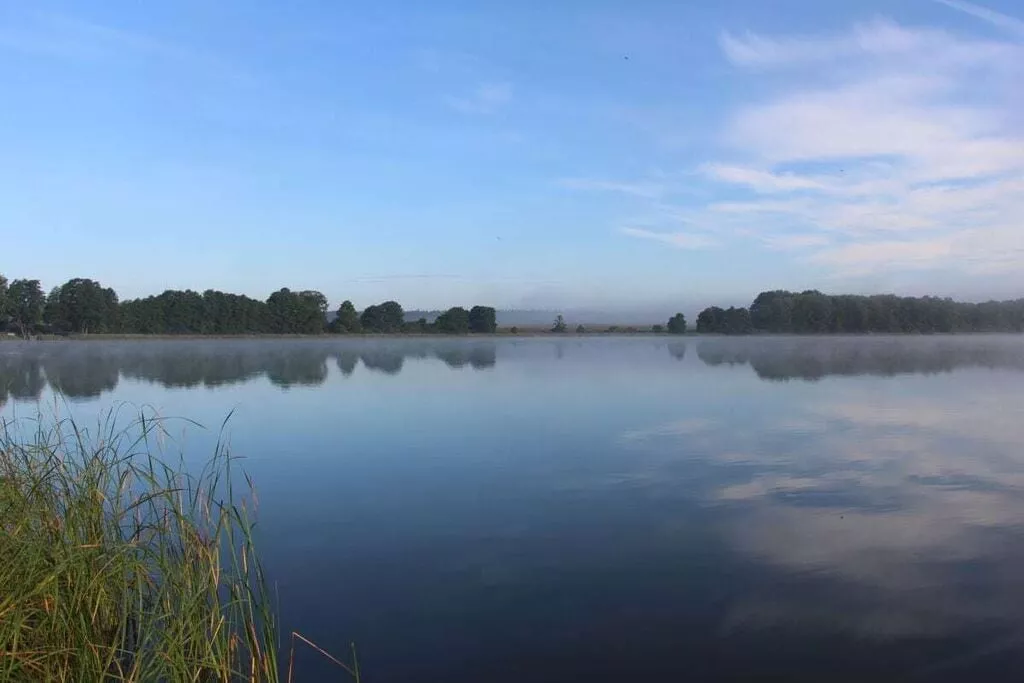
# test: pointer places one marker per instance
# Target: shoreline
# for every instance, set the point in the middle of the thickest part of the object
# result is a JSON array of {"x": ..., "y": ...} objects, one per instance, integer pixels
[{"x": 523, "y": 334}]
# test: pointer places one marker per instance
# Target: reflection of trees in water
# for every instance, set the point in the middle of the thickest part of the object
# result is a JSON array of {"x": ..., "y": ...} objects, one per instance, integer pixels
[
  {"x": 722, "y": 354},
  {"x": 87, "y": 369},
  {"x": 210, "y": 365},
  {"x": 81, "y": 375},
  {"x": 84, "y": 373},
  {"x": 303, "y": 368},
  {"x": 483, "y": 356},
  {"x": 347, "y": 361},
  {"x": 191, "y": 367},
  {"x": 478, "y": 356},
  {"x": 387, "y": 361},
  {"x": 812, "y": 359},
  {"x": 20, "y": 380}
]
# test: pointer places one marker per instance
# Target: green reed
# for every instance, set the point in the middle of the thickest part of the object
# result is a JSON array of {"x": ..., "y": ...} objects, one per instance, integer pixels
[{"x": 117, "y": 565}]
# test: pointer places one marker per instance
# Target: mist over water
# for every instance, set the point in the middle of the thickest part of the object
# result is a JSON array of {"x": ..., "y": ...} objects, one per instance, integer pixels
[{"x": 611, "y": 508}]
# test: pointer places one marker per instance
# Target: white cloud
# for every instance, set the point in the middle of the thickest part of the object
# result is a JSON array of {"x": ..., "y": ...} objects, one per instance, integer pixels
[
  {"x": 877, "y": 40},
  {"x": 486, "y": 99},
  {"x": 865, "y": 257},
  {"x": 679, "y": 240},
  {"x": 998, "y": 19},
  {"x": 762, "y": 181},
  {"x": 880, "y": 150},
  {"x": 917, "y": 153}
]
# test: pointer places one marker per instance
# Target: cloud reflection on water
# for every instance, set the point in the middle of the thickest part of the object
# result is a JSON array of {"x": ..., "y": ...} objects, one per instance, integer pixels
[{"x": 897, "y": 500}]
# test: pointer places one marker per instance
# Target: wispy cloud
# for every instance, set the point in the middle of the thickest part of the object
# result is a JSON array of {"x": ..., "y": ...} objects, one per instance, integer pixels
[
  {"x": 763, "y": 181},
  {"x": 679, "y": 240},
  {"x": 998, "y": 19},
  {"x": 795, "y": 241},
  {"x": 871, "y": 42},
  {"x": 865, "y": 257},
  {"x": 638, "y": 189},
  {"x": 66, "y": 37},
  {"x": 875, "y": 151},
  {"x": 411, "y": 276},
  {"x": 916, "y": 168},
  {"x": 487, "y": 98}
]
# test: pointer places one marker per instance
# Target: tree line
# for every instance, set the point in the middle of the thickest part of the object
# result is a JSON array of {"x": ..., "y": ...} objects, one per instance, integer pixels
[
  {"x": 82, "y": 306},
  {"x": 811, "y": 312}
]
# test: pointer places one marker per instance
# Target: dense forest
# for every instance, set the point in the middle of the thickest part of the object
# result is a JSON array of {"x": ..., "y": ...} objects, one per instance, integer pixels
[
  {"x": 812, "y": 312},
  {"x": 82, "y": 306}
]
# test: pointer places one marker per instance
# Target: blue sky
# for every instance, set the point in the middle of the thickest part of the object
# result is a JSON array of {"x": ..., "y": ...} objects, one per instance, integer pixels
[{"x": 587, "y": 154}]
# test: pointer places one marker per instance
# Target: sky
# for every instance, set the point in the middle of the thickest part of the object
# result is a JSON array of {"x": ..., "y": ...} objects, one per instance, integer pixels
[{"x": 520, "y": 154}]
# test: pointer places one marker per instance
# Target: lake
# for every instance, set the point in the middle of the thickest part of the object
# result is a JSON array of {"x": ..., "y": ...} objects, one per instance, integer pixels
[{"x": 608, "y": 508}]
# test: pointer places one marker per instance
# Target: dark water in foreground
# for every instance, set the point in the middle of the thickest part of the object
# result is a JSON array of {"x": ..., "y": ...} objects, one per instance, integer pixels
[{"x": 612, "y": 509}]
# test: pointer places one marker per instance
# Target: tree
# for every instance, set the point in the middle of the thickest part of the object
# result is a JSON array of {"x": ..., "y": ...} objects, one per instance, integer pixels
[
  {"x": 280, "y": 310},
  {"x": 188, "y": 312},
  {"x": 580, "y": 329},
  {"x": 812, "y": 312},
  {"x": 657, "y": 329},
  {"x": 772, "y": 311},
  {"x": 715, "y": 320},
  {"x": 3, "y": 298},
  {"x": 51, "y": 309},
  {"x": 233, "y": 313},
  {"x": 483, "y": 320},
  {"x": 25, "y": 301},
  {"x": 453, "y": 321},
  {"x": 710, "y": 320},
  {"x": 81, "y": 305},
  {"x": 387, "y": 318},
  {"x": 677, "y": 324},
  {"x": 849, "y": 314},
  {"x": 183, "y": 312},
  {"x": 314, "y": 311},
  {"x": 737, "y": 321},
  {"x": 514, "y": 330},
  {"x": 347, "y": 319},
  {"x": 296, "y": 312}
]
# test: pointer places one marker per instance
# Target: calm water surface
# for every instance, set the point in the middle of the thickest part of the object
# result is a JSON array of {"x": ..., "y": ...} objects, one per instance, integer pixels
[{"x": 608, "y": 509}]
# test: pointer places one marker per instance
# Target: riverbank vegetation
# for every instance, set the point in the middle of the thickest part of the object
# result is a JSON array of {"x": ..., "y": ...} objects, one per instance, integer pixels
[
  {"x": 119, "y": 566},
  {"x": 84, "y": 306},
  {"x": 812, "y": 312}
]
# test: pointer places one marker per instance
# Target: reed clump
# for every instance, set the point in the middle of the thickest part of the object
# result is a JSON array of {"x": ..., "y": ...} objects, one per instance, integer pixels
[{"x": 118, "y": 565}]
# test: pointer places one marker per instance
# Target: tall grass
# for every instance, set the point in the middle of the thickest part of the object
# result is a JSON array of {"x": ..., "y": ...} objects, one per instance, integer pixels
[{"x": 116, "y": 565}]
